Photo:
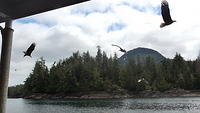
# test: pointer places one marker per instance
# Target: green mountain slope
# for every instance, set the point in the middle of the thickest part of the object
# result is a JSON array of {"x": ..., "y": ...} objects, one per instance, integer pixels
[{"x": 141, "y": 54}]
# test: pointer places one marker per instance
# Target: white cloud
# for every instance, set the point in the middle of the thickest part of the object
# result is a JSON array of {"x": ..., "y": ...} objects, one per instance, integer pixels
[{"x": 82, "y": 27}]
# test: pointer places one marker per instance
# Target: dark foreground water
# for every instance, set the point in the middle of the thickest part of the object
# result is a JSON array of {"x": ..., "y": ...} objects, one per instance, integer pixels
[{"x": 154, "y": 105}]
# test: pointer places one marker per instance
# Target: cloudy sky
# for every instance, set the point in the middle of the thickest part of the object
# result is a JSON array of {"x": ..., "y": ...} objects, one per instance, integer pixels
[{"x": 129, "y": 23}]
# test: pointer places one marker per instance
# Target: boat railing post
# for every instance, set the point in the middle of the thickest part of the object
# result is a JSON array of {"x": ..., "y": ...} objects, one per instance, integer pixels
[{"x": 7, "y": 37}]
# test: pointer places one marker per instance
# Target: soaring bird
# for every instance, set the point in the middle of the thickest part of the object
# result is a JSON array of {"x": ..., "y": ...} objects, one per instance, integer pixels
[
  {"x": 122, "y": 50},
  {"x": 29, "y": 50},
  {"x": 165, "y": 14}
]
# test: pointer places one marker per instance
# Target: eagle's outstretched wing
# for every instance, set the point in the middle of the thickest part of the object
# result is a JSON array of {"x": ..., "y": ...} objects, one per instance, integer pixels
[
  {"x": 116, "y": 46},
  {"x": 122, "y": 50},
  {"x": 165, "y": 12}
]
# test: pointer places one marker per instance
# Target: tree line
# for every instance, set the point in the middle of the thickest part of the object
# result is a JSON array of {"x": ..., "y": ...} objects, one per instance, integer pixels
[{"x": 83, "y": 72}]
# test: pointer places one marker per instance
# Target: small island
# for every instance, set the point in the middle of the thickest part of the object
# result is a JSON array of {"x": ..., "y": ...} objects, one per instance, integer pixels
[{"x": 139, "y": 73}]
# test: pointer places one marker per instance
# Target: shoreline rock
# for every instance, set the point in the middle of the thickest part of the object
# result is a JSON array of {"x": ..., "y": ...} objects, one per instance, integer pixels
[{"x": 115, "y": 95}]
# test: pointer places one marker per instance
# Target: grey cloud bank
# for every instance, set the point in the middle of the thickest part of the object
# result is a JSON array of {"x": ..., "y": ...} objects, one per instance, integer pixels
[{"x": 128, "y": 23}]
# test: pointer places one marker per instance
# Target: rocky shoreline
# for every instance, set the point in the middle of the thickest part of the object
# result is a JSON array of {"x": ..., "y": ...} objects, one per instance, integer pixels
[{"x": 113, "y": 95}]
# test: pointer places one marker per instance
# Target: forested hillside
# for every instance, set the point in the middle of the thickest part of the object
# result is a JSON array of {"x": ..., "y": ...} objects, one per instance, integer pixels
[{"x": 82, "y": 72}]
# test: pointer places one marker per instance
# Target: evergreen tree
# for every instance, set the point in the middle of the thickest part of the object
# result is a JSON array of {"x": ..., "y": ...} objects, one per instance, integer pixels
[
  {"x": 104, "y": 66},
  {"x": 16, "y": 91},
  {"x": 99, "y": 58},
  {"x": 177, "y": 71},
  {"x": 165, "y": 70},
  {"x": 37, "y": 81},
  {"x": 150, "y": 71},
  {"x": 115, "y": 70},
  {"x": 130, "y": 79}
]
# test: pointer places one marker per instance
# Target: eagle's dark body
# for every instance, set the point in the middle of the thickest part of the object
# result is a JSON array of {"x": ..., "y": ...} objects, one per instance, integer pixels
[
  {"x": 165, "y": 14},
  {"x": 29, "y": 50}
]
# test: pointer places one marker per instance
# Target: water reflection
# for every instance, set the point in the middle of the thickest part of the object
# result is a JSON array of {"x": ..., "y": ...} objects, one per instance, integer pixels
[
  {"x": 121, "y": 103},
  {"x": 163, "y": 105}
]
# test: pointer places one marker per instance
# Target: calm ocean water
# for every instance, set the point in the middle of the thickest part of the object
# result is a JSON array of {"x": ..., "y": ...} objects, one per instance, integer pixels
[{"x": 147, "y": 105}]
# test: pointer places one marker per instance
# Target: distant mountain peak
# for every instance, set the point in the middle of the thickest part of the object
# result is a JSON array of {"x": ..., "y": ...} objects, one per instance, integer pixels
[{"x": 141, "y": 54}]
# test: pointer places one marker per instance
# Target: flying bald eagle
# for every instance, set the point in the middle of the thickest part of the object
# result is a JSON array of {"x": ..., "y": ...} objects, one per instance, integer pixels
[
  {"x": 165, "y": 14},
  {"x": 122, "y": 50},
  {"x": 29, "y": 50}
]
